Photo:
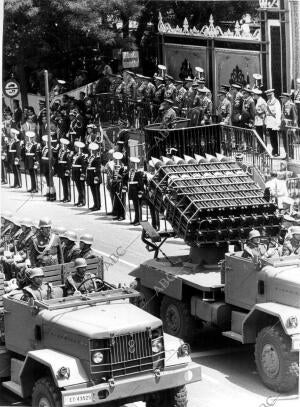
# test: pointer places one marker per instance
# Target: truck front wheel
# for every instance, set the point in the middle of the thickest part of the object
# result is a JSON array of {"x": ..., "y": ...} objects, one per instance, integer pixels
[
  {"x": 177, "y": 319},
  {"x": 277, "y": 366},
  {"x": 176, "y": 397},
  {"x": 45, "y": 394}
]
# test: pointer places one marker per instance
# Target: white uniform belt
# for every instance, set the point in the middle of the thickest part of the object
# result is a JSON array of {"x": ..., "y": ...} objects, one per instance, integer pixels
[
  {"x": 62, "y": 162},
  {"x": 12, "y": 151},
  {"x": 29, "y": 153},
  {"x": 45, "y": 158},
  {"x": 76, "y": 165},
  {"x": 132, "y": 182},
  {"x": 91, "y": 168}
]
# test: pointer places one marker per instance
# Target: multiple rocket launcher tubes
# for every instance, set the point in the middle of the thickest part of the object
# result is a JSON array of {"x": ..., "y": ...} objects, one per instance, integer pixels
[{"x": 210, "y": 200}]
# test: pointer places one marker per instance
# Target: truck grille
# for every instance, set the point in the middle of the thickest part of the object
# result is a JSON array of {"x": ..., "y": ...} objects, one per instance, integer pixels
[{"x": 125, "y": 355}]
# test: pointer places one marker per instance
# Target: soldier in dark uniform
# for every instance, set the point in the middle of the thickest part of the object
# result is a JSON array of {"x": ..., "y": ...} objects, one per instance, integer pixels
[
  {"x": 135, "y": 179},
  {"x": 237, "y": 104},
  {"x": 4, "y": 163},
  {"x": 169, "y": 114},
  {"x": 248, "y": 109},
  {"x": 170, "y": 89},
  {"x": 23, "y": 240},
  {"x": 63, "y": 169},
  {"x": 76, "y": 129},
  {"x": 81, "y": 281},
  {"x": 69, "y": 247},
  {"x": 159, "y": 95},
  {"x": 14, "y": 157},
  {"x": 93, "y": 175},
  {"x": 85, "y": 246},
  {"x": 31, "y": 159},
  {"x": 148, "y": 175},
  {"x": 224, "y": 108},
  {"x": 45, "y": 170},
  {"x": 44, "y": 248},
  {"x": 289, "y": 119},
  {"x": 118, "y": 188},
  {"x": 180, "y": 96},
  {"x": 78, "y": 173}
]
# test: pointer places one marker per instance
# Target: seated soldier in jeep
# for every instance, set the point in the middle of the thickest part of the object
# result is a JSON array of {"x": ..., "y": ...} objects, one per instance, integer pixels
[
  {"x": 36, "y": 290},
  {"x": 81, "y": 281}
]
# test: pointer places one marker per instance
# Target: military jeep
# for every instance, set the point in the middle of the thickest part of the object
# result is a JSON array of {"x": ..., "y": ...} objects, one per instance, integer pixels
[{"x": 94, "y": 349}]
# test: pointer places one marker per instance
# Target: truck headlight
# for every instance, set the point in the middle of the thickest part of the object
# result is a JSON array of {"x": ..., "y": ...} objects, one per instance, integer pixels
[
  {"x": 184, "y": 350},
  {"x": 292, "y": 322},
  {"x": 157, "y": 345},
  {"x": 97, "y": 357}
]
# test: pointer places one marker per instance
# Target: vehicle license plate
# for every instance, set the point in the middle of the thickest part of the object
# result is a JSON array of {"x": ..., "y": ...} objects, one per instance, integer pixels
[{"x": 77, "y": 399}]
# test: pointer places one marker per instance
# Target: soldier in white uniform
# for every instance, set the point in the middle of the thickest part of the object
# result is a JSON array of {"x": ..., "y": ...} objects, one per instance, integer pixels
[{"x": 273, "y": 120}]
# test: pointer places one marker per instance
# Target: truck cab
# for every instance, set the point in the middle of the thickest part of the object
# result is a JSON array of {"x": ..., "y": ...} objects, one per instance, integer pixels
[{"x": 91, "y": 349}]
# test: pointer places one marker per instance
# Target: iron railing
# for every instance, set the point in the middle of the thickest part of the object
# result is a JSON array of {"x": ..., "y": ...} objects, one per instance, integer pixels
[{"x": 211, "y": 139}]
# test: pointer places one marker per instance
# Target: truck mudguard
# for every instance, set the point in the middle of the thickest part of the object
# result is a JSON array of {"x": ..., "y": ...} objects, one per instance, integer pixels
[
  {"x": 289, "y": 318},
  {"x": 65, "y": 370}
]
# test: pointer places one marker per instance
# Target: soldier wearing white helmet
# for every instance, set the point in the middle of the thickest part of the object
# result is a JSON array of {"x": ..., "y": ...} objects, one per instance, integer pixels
[
  {"x": 31, "y": 159},
  {"x": 135, "y": 179},
  {"x": 254, "y": 248},
  {"x": 64, "y": 157},
  {"x": 93, "y": 175},
  {"x": 85, "y": 246},
  {"x": 81, "y": 281},
  {"x": 14, "y": 157},
  {"x": 291, "y": 244}
]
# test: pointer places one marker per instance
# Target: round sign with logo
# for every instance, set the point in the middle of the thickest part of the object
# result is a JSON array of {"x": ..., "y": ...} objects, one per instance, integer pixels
[{"x": 11, "y": 88}]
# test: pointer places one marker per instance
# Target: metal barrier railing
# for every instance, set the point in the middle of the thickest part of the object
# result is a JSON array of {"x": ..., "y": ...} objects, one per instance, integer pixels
[
  {"x": 210, "y": 139},
  {"x": 119, "y": 108}
]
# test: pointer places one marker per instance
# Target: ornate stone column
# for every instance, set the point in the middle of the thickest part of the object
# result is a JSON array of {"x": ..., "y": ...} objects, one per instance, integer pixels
[{"x": 294, "y": 6}]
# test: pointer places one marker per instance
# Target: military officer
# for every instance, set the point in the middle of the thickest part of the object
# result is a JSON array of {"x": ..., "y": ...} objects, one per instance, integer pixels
[
  {"x": 205, "y": 106},
  {"x": 237, "y": 104},
  {"x": 14, "y": 157},
  {"x": 4, "y": 163},
  {"x": 44, "y": 247},
  {"x": 118, "y": 187},
  {"x": 160, "y": 90},
  {"x": 170, "y": 89},
  {"x": 81, "y": 281},
  {"x": 148, "y": 175},
  {"x": 248, "y": 108},
  {"x": 69, "y": 247},
  {"x": 31, "y": 159},
  {"x": 135, "y": 180},
  {"x": 180, "y": 95},
  {"x": 169, "y": 114},
  {"x": 64, "y": 167},
  {"x": 224, "y": 108},
  {"x": 260, "y": 112},
  {"x": 45, "y": 170},
  {"x": 78, "y": 173},
  {"x": 288, "y": 119},
  {"x": 93, "y": 175},
  {"x": 150, "y": 89},
  {"x": 108, "y": 169},
  {"x": 273, "y": 120},
  {"x": 85, "y": 246}
]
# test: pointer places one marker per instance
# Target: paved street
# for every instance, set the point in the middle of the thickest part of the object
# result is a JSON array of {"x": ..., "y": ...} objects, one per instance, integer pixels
[{"x": 229, "y": 376}]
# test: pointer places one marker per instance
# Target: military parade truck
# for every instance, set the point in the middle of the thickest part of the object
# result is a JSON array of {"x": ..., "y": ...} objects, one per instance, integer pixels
[
  {"x": 93, "y": 349},
  {"x": 213, "y": 205}
]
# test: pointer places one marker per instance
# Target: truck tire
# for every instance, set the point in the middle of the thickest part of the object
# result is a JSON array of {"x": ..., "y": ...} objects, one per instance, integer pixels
[
  {"x": 45, "y": 394},
  {"x": 177, "y": 319},
  {"x": 148, "y": 299},
  {"x": 277, "y": 366},
  {"x": 176, "y": 397}
]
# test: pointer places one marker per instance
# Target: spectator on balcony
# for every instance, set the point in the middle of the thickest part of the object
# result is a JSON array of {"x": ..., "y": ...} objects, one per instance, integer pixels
[
  {"x": 260, "y": 113},
  {"x": 288, "y": 119},
  {"x": 273, "y": 120},
  {"x": 224, "y": 108}
]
